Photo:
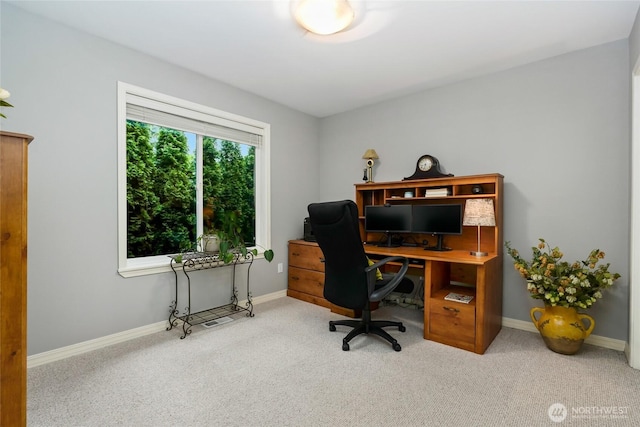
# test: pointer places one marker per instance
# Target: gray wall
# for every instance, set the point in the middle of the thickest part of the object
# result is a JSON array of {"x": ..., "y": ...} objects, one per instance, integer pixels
[
  {"x": 63, "y": 86},
  {"x": 558, "y": 130}
]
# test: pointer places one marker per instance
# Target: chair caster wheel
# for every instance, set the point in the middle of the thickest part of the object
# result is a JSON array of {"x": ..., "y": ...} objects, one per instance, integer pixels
[
  {"x": 401, "y": 328},
  {"x": 397, "y": 347},
  {"x": 345, "y": 346},
  {"x": 332, "y": 327}
]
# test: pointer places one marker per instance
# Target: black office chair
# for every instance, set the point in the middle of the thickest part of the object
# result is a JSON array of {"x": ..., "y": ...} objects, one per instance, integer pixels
[{"x": 349, "y": 280}]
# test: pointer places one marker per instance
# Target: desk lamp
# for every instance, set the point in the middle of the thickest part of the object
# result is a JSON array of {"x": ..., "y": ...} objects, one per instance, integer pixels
[
  {"x": 479, "y": 212},
  {"x": 370, "y": 154}
]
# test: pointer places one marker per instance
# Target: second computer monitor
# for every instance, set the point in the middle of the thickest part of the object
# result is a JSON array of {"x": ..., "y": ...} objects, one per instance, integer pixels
[{"x": 438, "y": 220}]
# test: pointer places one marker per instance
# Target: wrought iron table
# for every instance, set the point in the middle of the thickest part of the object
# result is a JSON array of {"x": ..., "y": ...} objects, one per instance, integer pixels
[{"x": 193, "y": 261}]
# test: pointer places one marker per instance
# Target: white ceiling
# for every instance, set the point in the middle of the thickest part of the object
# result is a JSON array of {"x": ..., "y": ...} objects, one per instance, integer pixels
[{"x": 394, "y": 47}]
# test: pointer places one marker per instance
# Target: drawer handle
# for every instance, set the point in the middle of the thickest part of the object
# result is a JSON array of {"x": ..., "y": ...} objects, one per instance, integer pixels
[
  {"x": 295, "y": 278},
  {"x": 295, "y": 254},
  {"x": 455, "y": 310}
]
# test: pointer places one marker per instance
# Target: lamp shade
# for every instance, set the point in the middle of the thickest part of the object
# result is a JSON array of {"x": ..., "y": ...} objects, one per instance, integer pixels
[
  {"x": 324, "y": 17},
  {"x": 370, "y": 154},
  {"x": 479, "y": 212}
]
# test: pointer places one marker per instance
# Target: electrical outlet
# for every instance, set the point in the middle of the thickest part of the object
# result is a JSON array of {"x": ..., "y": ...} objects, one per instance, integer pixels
[{"x": 280, "y": 267}]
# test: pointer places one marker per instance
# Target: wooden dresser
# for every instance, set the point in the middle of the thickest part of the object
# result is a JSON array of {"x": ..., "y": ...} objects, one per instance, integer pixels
[{"x": 13, "y": 278}]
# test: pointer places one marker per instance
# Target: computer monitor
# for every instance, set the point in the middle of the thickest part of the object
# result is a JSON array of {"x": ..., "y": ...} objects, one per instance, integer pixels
[
  {"x": 388, "y": 219},
  {"x": 438, "y": 220}
]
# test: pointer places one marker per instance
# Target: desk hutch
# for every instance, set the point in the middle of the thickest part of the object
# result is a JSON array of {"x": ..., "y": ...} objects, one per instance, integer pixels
[{"x": 470, "y": 326}]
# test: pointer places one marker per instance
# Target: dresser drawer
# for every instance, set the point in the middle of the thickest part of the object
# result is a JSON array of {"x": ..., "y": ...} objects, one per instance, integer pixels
[
  {"x": 452, "y": 322},
  {"x": 306, "y": 256},
  {"x": 307, "y": 281}
]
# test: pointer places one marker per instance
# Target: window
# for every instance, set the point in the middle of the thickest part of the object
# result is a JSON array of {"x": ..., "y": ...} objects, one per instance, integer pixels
[{"x": 181, "y": 167}]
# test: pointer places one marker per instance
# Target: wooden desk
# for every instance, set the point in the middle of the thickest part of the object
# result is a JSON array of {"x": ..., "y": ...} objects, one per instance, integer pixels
[{"x": 470, "y": 326}]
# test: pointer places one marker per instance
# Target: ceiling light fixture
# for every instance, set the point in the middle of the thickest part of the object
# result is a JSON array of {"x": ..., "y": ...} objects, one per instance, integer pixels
[{"x": 324, "y": 17}]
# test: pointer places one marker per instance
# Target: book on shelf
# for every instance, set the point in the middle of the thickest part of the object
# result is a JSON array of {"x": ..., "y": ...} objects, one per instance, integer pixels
[
  {"x": 453, "y": 296},
  {"x": 437, "y": 192}
]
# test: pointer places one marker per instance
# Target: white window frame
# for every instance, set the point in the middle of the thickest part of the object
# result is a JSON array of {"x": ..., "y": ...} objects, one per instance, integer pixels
[{"x": 128, "y": 93}]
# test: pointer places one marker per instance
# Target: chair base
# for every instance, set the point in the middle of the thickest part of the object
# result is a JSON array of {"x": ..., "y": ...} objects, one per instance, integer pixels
[{"x": 368, "y": 327}]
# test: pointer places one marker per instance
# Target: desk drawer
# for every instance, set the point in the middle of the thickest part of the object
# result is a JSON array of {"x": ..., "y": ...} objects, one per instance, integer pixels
[
  {"x": 306, "y": 281},
  {"x": 306, "y": 256},
  {"x": 452, "y": 322}
]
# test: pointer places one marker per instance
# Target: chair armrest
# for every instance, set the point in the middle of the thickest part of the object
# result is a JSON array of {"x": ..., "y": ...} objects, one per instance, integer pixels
[{"x": 379, "y": 294}]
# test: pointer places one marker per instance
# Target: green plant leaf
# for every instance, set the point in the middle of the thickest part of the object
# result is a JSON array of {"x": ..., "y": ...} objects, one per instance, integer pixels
[{"x": 268, "y": 255}]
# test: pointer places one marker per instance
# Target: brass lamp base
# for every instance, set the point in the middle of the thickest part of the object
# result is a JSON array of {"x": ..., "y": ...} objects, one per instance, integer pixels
[
  {"x": 474, "y": 253},
  {"x": 370, "y": 170}
]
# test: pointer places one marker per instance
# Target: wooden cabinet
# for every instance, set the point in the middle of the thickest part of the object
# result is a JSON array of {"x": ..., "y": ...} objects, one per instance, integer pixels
[
  {"x": 306, "y": 272},
  {"x": 471, "y": 326},
  {"x": 452, "y": 323},
  {"x": 13, "y": 278},
  {"x": 306, "y": 275}
]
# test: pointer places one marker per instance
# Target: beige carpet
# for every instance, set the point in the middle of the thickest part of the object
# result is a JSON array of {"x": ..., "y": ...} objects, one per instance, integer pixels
[{"x": 284, "y": 368}]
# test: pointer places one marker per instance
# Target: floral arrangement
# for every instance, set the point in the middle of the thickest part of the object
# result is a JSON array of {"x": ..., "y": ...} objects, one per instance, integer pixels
[
  {"x": 557, "y": 282},
  {"x": 4, "y": 94}
]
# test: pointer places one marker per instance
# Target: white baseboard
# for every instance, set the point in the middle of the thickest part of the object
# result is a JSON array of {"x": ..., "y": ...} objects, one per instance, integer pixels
[
  {"x": 600, "y": 341},
  {"x": 95, "y": 344}
]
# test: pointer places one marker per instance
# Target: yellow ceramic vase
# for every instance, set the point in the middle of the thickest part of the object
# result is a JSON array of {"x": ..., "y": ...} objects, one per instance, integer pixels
[{"x": 562, "y": 329}]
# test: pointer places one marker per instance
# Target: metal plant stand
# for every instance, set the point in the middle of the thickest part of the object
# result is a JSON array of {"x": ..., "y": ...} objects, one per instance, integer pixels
[{"x": 194, "y": 261}]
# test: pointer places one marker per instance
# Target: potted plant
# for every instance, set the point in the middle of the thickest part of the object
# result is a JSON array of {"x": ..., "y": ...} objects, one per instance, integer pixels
[
  {"x": 209, "y": 241},
  {"x": 564, "y": 288},
  {"x": 4, "y": 94},
  {"x": 227, "y": 239}
]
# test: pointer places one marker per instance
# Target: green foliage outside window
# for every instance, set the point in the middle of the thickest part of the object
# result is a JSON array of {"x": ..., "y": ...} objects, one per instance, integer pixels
[{"x": 161, "y": 189}]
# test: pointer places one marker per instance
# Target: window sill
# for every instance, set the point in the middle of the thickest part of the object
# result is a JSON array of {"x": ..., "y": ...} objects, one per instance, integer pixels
[{"x": 145, "y": 270}]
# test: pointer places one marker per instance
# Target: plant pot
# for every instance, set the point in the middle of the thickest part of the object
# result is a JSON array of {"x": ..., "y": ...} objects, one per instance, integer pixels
[
  {"x": 562, "y": 328},
  {"x": 210, "y": 243}
]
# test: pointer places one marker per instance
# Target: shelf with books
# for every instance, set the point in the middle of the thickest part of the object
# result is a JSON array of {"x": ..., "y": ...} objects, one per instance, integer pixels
[{"x": 443, "y": 293}]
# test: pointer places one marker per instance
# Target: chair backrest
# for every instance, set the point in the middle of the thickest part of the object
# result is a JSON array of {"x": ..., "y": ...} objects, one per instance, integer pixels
[{"x": 335, "y": 226}]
